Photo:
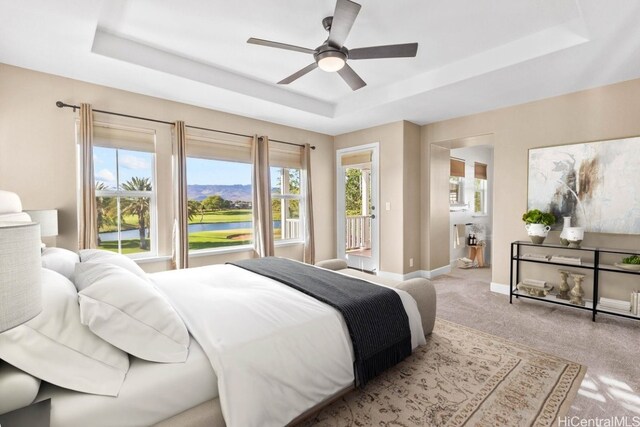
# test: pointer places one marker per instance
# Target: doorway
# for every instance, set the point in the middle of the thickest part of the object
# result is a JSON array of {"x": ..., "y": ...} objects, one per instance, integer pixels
[{"x": 357, "y": 202}]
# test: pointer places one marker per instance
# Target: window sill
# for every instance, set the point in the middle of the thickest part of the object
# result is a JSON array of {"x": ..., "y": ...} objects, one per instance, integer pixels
[
  {"x": 282, "y": 243},
  {"x": 220, "y": 251},
  {"x": 148, "y": 260}
]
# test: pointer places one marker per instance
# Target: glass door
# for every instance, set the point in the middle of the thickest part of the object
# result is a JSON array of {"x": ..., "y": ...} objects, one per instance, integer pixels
[{"x": 357, "y": 204}]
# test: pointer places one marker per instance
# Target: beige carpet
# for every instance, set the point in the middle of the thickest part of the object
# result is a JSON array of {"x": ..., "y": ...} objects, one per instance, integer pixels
[{"x": 462, "y": 377}]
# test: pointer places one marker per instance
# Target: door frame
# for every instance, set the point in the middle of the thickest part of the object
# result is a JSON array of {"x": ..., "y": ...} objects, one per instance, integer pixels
[{"x": 374, "y": 265}]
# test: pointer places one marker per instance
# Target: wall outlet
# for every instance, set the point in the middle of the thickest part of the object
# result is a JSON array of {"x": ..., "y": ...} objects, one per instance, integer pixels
[
  {"x": 387, "y": 206},
  {"x": 410, "y": 262}
]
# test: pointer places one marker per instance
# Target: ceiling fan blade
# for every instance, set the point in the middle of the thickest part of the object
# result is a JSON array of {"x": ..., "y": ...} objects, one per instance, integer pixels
[
  {"x": 343, "y": 19},
  {"x": 295, "y": 76},
  {"x": 406, "y": 50},
  {"x": 278, "y": 45},
  {"x": 350, "y": 76}
]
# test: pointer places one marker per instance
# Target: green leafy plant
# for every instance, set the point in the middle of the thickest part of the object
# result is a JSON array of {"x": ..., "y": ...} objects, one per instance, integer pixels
[
  {"x": 634, "y": 259},
  {"x": 535, "y": 216}
]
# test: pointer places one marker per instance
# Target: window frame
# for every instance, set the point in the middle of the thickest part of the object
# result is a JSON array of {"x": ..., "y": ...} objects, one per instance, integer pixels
[
  {"x": 202, "y": 145},
  {"x": 283, "y": 197},
  {"x": 118, "y": 193}
]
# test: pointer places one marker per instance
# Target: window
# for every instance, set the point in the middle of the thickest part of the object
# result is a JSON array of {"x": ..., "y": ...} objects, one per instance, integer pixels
[
  {"x": 456, "y": 184},
  {"x": 219, "y": 203},
  {"x": 286, "y": 202},
  {"x": 219, "y": 191},
  {"x": 480, "y": 188},
  {"x": 125, "y": 199},
  {"x": 455, "y": 190}
]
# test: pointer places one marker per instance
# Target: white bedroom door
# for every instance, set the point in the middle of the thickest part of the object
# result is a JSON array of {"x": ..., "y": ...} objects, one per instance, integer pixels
[{"x": 357, "y": 206}]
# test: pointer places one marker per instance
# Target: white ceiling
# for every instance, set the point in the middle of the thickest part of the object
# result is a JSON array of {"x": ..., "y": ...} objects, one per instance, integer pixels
[{"x": 473, "y": 55}]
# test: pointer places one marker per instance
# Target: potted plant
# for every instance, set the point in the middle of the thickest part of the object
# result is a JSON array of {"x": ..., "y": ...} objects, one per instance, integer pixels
[{"x": 538, "y": 224}]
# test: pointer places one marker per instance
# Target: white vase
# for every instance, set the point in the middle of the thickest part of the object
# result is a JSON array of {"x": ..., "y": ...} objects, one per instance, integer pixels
[
  {"x": 537, "y": 232},
  {"x": 575, "y": 235},
  {"x": 563, "y": 234}
]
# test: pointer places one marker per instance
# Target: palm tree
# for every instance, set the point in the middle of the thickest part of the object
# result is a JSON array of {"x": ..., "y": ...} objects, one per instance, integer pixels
[
  {"x": 137, "y": 206},
  {"x": 104, "y": 209},
  {"x": 194, "y": 208}
]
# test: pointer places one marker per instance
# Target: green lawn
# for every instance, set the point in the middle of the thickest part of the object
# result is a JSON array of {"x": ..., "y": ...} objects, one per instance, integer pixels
[
  {"x": 131, "y": 246},
  {"x": 198, "y": 240}
]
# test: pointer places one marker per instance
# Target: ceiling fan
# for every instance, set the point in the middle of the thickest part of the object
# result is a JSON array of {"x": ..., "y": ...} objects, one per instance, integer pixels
[{"x": 332, "y": 55}]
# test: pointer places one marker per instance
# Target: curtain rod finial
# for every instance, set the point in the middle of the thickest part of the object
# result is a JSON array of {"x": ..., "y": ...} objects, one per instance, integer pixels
[{"x": 59, "y": 104}]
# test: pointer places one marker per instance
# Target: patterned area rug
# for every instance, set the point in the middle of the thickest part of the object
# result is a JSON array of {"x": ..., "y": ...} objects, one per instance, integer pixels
[{"x": 462, "y": 377}]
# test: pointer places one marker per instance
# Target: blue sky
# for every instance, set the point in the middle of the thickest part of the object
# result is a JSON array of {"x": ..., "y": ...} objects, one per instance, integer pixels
[{"x": 136, "y": 163}]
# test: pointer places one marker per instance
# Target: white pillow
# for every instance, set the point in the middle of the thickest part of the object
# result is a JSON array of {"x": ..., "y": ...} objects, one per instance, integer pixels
[
  {"x": 17, "y": 389},
  {"x": 55, "y": 347},
  {"x": 60, "y": 260},
  {"x": 102, "y": 256},
  {"x": 130, "y": 313}
]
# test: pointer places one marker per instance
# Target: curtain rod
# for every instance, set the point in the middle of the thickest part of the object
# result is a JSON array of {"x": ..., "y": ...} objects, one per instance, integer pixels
[{"x": 61, "y": 104}]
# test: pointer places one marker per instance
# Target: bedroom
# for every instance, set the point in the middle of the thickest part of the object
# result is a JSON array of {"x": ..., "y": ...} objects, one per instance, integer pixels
[{"x": 576, "y": 90}]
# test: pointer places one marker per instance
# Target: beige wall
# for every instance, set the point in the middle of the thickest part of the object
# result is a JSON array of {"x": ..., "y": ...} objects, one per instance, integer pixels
[
  {"x": 399, "y": 164},
  {"x": 411, "y": 194},
  {"x": 38, "y": 157},
  {"x": 597, "y": 114}
]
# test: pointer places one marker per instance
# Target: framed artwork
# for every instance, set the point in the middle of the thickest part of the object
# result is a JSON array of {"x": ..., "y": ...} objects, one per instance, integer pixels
[{"x": 597, "y": 184}]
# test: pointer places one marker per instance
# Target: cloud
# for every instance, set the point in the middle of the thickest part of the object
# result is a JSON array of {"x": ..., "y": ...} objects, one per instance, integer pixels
[
  {"x": 134, "y": 163},
  {"x": 106, "y": 175}
]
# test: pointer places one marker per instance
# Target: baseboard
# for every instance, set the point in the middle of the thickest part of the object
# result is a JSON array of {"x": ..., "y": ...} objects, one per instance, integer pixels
[
  {"x": 427, "y": 274},
  {"x": 499, "y": 288},
  {"x": 430, "y": 274}
]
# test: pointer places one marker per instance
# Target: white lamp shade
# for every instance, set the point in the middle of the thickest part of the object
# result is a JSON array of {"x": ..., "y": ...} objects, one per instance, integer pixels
[
  {"x": 20, "y": 273},
  {"x": 48, "y": 219}
]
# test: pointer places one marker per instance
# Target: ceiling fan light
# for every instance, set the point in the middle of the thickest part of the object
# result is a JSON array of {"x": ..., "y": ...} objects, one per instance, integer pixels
[{"x": 331, "y": 63}]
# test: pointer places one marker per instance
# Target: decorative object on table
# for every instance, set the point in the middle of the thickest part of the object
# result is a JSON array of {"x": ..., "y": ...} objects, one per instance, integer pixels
[
  {"x": 631, "y": 263},
  {"x": 536, "y": 257},
  {"x": 575, "y": 235},
  {"x": 563, "y": 290},
  {"x": 534, "y": 290},
  {"x": 20, "y": 291},
  {"x": 615, "y": 304},
  {"x": 565, "y": 259},
  {"x": 569, "y": 180},
  {"x": 538, "y": 224},
  {"x": 577, "y": 292},
  {"x": 563, "y": 233},
  {"x": 48, "y": 220},
  {"x": 535, "y": 283}
]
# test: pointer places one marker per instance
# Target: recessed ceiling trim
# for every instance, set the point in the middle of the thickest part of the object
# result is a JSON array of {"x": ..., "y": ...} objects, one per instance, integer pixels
[
  {"x": 536, "y": 45},
  {"x": 133, "y": 52}
]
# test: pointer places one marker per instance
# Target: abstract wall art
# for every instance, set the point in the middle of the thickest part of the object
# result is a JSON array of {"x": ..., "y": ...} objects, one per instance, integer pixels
[{"x": 596, "y": 183}]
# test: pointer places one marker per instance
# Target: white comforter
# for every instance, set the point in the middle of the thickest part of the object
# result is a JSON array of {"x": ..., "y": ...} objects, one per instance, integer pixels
[{"x": 276, "y": 351}]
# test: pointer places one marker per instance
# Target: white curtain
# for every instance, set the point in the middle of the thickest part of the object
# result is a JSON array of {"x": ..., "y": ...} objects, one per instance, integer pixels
[
  {"x": 261, "y": 183},
  {"x": 180, "y": 255},
  {"x": 88, "y": 215},
  {"x": 309, "y": 240}
]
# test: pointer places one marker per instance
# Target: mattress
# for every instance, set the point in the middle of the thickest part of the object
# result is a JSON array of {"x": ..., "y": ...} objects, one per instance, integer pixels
[{"x": 150, "y": 393}]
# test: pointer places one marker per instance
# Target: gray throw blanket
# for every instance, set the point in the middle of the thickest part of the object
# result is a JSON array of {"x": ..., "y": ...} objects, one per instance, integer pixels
[{"x": 377, "y": 322}]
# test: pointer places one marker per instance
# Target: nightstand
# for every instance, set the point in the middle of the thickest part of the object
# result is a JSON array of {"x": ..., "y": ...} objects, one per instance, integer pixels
[{"x": 36, "y": 415}]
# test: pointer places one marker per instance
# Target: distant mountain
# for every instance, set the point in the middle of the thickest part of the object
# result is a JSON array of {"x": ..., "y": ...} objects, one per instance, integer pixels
[{"x": 228, "y": 192}]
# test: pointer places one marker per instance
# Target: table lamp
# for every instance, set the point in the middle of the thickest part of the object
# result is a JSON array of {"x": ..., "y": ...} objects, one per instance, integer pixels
[
  {"x": 20, "y": 269},
  {"x": 48, "y": 219}
]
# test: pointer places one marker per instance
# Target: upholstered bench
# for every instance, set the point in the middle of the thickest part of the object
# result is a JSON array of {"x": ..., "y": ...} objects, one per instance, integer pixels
[{"x": 420, "y": 289}]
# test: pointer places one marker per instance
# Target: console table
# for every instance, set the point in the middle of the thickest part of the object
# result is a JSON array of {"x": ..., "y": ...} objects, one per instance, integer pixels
[{"x": 596, "y": 266}]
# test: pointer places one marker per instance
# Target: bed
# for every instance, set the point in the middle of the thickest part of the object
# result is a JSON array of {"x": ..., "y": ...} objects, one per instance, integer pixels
[{"x": 233, "y": 318}]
